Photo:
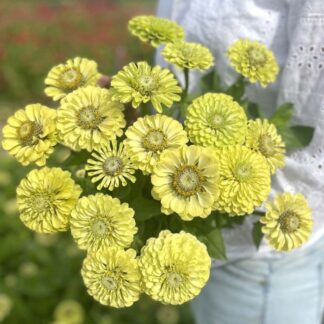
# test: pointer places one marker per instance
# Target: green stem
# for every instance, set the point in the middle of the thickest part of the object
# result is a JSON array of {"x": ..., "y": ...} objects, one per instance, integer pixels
[
  {"x": 183, "y": 107},
  {"x": 145, "y": 109},
  {"x": 186, "y": 79},
  {"x": 258, "y": 213}
]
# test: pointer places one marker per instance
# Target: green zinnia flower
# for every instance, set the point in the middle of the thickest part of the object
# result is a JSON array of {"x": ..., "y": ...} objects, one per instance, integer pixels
[
  {"x": 140, "y": 83},
  {"x": 155, "y": 30},
  {"x": 188, "y": 55}
]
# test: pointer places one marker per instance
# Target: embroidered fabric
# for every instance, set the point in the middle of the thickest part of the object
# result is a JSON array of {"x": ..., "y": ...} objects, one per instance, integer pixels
[{"x": 294, "y": 30}]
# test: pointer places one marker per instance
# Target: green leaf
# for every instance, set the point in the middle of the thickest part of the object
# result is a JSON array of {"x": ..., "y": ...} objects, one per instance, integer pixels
[
  {"x": 145, "y": 208},
  {"x": 215, "y": 244},
  {"x": 297, "y": 136},
  {"x": 237, "y": 90},
  {"x": 253, "y": 110},
  {"x": 282, "y": 115},
  {"x": 257, "y": 234},
  {"x": 211, "y": 82},
  {"x": 76, "y": 158},
  {"x": 200, "y": 226}
]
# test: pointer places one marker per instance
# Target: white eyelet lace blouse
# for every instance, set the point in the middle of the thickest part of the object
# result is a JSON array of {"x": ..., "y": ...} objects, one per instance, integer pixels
[{"x": 294, "y": 30}]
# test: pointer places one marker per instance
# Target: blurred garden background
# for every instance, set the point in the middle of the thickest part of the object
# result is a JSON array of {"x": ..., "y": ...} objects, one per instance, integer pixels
[{"x": 40, "y": 278}]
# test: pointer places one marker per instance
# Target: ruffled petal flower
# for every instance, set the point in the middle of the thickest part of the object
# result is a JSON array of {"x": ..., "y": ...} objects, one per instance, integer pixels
[
  {"x": 45, "y": 199},
  {"x": 174, "y": 267},
  {"x": 244, "y": 180},
  {"x": 263, "y": 137},
  {"x": 185, "y": 180},
  {"x": 155, "y": 30},
  {"x": 254, "y": 61},
  {"x": 112, "y": 277},
  {"x": 30, "y": 134},
  {"x": 186, "y": 55},
  {"x": 88, "y": 118},
  {"x": 288, "y": 221},
  {"x": 148, "y": 137},
  {"x": 65, "y": 78},
  {"x": 215, "y": 119},
  {"x": 100, "y": 221},
  {"x": 139, "y": 83}
]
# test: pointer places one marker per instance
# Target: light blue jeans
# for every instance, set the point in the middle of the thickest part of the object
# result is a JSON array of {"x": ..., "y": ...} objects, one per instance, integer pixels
[{"x": 265, "y": 291}]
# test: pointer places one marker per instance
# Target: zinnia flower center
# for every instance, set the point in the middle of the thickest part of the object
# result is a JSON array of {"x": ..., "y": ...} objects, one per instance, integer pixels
[
  {"x": 109, "y": 282},
  {"x": 146, "y": 84},
  {"x": 289, "y": 221},
  {"x": 256, "y": 56},
  {"x": 217, "y": 121},
  {"x": 174, "y": 280},
  {"x": 28, "y": 132},
  {"x": 155, "y": 140},
  {"x": 71, "y": 78},
  {"x": 113, "y": 166},
  {"x": 242, "y": 172},
  {"x": 187, "y": 180},
  {"x": 42, "y": 202},
  {"x": 89, "y": 118},
  {"x": 266, "y": 145},
  {"x": 99, "y": 228}
]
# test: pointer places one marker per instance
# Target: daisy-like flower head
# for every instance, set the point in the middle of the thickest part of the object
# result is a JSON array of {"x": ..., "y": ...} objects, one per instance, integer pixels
[
  {"x": 148, "y": 137},
  {"x": 287, "y": 222},
  {"x": 244, "y": 180},
  {"x": 140, "y": 83},
  {"x": 65, "y": 78},
  {"x": 215, "y": 119},
  {"x": 45, "y": 199},
  {"x": 30, "y": 134},
  {"x": 254, "y": 61},
  {"x": 112, "y": 277},
  {"x": 99, "y": 221},
  {"x": 188, "y": 55},
  {"x": 186, "y": 181},
  {"x": 174, "y": 267},
  {"x": 155, "y": 30},
  {"x": 111, "y": 165},
  {"x": 88, "y": 118},
  {"x": 262, "y": 137}
]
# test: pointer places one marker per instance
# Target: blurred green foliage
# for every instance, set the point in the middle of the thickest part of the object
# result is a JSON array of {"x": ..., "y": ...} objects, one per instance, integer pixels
[{"x": 40, "y": 272}]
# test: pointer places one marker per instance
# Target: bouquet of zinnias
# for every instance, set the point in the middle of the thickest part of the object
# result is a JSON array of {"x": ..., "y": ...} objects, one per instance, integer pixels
[{"x": 147, "y": 196}]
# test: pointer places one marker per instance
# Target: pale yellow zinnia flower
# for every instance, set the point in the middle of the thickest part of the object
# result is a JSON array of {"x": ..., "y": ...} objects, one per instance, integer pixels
[
  {"x": 110, "y": 166},
  {"x": 244, "y": 182},
  {"x": 215, "y": 119},
  {"x": 187, "y": 55},
  {"x": 254, "y": 61},
  {"x": 288, "y": 221},
  {"x": 99, "y": 221},
  {"x": 148, "y": 137},
  {"x": 112, "y": 277},
  {"x": 45, "y": 199},
  {"x": 185, "y": 180},
  {"x": 30, "y": 134},
  {"x": 263, "y": 137},
  {"x": 174, "y": 267},
  {"x": 65, "y": 78},
  {"x": 139, "y": 83},
  {"x": 155, "y": 30},
  {"x": 88, "y": 118}
]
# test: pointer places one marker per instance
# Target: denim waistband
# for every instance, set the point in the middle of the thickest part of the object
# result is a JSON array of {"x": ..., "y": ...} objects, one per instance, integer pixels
[{"x": 301, "y": 259}]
